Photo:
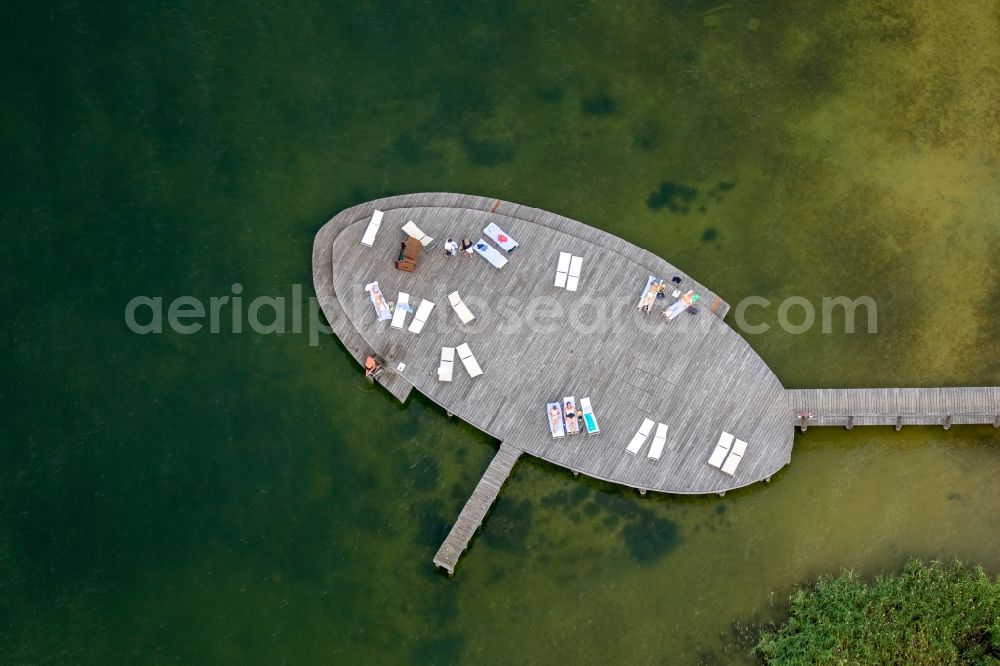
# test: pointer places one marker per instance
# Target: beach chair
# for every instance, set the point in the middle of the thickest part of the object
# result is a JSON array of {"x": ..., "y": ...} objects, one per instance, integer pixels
[
  {"x": 575, "y": 266},
  {"x": 469, "y": 361},
  {"x": 421, "y": 315},
  {"x": 460, "y": 308},
  {"x": 490, "y": 254},
  {"x": 656, "y": 448},
  {"x": 721, "y": 449},
  {"x": 588, "y": 417},
  {"x": 640, "y": 437},
  {"x": 735, "y": 456},
  {"x": 382, "y": 311},
  {"x": 369, "y": 237},
  {"x": 500, "y": 237},
  {"x": 554, "y": 415},
  {"x": 447, "y": 367},
  {"x": 399, "y": 314},
  {"x": 572, "y": 424},
  {"x": 413, "y": 231},
  {"x": 562, "y": 269}
]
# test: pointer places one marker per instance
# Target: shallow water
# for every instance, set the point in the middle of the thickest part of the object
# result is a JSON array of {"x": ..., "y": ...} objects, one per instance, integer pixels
[{"x": 249, "y": 498}]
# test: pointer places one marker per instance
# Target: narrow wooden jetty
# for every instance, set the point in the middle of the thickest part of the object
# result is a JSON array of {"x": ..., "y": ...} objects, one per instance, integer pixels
[
  {"x": 476, "y": 507},
  {"x": 895, "y": 406},
  {"x": 538, "y": 343}
]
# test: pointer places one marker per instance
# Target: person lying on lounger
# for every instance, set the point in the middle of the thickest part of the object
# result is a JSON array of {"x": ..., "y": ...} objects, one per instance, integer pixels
[
  {"x": 554, "y": 423},
  {"x": 646, "y": 303},
  {"x": 571, "y": 425}
]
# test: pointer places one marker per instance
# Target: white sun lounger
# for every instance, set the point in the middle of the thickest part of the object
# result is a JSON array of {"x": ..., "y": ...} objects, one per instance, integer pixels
[
  {"x": 372, "y": 228},
  {"x": 399, "y": 314},
  {"x": 447, "y": 367},
  {"x": 468, "y": 360},
  {"x": 562, "y": 269},
  {"x": 490, "y": 254},
  {"x": 640, "y": 437},
  {"x": 460, "y": 308},
  {"x": 656, "y": 448},
  {"x": 721, "y": 449},
  {"x": 555, "y": 418},
  {"x": 412, "y": 230},
  {"x": 574, "y": 273},
  {"x": 420, "y": 317},
  {"x": 500, "y": 237},
  {"x": 588, "y": 417},
  {"x": 735, "y": 456}
]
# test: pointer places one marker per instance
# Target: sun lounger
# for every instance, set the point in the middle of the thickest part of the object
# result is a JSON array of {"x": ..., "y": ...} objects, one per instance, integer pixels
[
  {"x": 572, "y": 423},
  {"x": 402, "y": 307},
  {"x": 640, "y": 437},
  {"x": 460, "y": 308},
  {"x": 413, "y": 231},
  {"x": 469, "y": 361},
  {"x": 575, "y": 266},
  {"x": 382, "y": 311},
  {"x": 490, "y": 254},
  {"x": 656, "y": 448},
  {"x": 372, "y": 228},
  {"x": 421, "y": 315},
  {"x": 562, "y": 269},
  {"x": 447, "y": 366},
  {"x": 500, "y": 237},
  {"x": 588, "y": 417},
  {"x": 721, "y": 449},
  {"x": 554, "y": 415},
  {"x": 680, "y": 305},
  {"x": 735, "y": 456}
]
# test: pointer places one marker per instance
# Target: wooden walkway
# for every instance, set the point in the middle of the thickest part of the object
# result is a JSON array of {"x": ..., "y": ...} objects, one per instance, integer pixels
[
  {"x": 537, "y": 343},
  {"x": 895, "y": 406},
  {"x": 476, "y": 507}
]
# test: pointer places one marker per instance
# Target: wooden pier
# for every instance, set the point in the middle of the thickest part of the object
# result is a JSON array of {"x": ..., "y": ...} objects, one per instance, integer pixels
[
  {"x": 895, "y": 406},
  {"x": 538, "y": 343},
  {"x": 476, "y": 507}
]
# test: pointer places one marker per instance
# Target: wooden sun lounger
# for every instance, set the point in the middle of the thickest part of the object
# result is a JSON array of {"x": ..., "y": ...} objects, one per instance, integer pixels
[
  {"x": 575, "y": 266},
  {"x": 656, "y": 448},
  {"x": 447, "y": 367},
  {"x": 735, "y": 456},
  {"x": 588, "y": 417},
  {"x": 640, "y": 437},
  {"x": 369, "y": 237},
  {"x": 460, "y": 308},
  {"x": 562, "y": 269},
  {"x": 420, "y": 317},
  {"x": 556, "y": 424},
  {"x": 413, "y": 231},
  {"x": 721, "y": 449},
  {"x": 468, "y": 360},
  {"x": 399, "y": 314}
]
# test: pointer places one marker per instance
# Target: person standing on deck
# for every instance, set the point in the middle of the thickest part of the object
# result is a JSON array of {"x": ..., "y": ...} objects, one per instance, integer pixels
[{"x": 450, "y": 248}]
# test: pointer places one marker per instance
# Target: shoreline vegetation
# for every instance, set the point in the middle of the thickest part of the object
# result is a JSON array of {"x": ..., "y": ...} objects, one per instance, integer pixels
[{"x": 926, "y": 614}]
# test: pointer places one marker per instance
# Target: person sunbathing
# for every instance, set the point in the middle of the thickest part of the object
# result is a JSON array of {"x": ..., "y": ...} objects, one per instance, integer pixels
[
  {"x": 646, "y": 303},
  {"x": 554, "y": 419},
  {"x": 571, "y": 425}
]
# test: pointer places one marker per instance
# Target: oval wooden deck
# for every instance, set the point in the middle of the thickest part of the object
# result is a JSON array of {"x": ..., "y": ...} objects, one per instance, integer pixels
[{"x": 538, "y": 343}]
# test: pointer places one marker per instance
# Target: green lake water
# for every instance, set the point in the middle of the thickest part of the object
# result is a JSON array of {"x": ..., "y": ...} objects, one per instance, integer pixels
[{"x": 247, "y": 498}]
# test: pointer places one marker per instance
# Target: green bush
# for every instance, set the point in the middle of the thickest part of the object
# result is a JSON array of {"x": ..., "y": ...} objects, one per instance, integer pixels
[{"x": 927, "y": 614}]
